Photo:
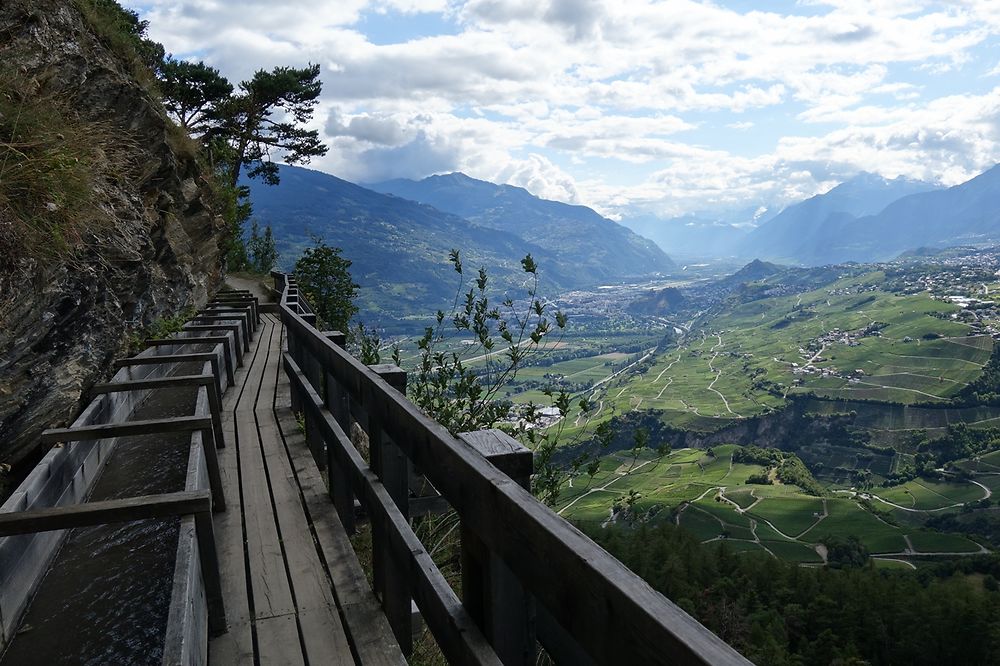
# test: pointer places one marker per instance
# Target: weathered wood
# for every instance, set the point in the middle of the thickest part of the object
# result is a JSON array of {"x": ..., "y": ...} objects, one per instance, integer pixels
[
  {"x": 210, "y": 571},
  {"x": 235, "y": 329},
  {"x": 208, "y": 381},
  {"x": 457, "y": 635},
  {"x": 493, "y": 595},
  {"x": 243, "y": 327},
  {"x": 224, "y": 340},
  {"x": 629, "y": 623},
  {"x": 169, "y": 358},
  {"x": 339, "y": 484},
  {"x": 367, "y": 629},
  {"x": 238, "y": 300},
  {"x": 336, "y": 337},
  {"x": 127, "y": 429},
  {"x": 245, "y": 312},
  {"x": 101, "y": 513},
  {"x": 151, "y": 427},
  {"x": 391, "y": 577},
  {"x": 429, "y": 505},
  {"x": 176, "y": 381}
]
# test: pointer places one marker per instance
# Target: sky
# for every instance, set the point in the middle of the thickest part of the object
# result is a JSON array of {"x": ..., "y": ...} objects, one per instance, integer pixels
[{"x": 665, "y": 107}]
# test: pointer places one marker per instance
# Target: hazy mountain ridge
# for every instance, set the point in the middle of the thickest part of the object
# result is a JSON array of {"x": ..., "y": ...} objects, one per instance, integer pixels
[
  {"x": 399, "y": 248},
  {"x": 694, "y": 235},
  {"x": 590, "y": 248},
  {"x": 805, "y": 231}
]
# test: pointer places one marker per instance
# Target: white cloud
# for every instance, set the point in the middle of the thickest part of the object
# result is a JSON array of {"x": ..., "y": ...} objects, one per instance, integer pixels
[{"x": 624, "y": 94}]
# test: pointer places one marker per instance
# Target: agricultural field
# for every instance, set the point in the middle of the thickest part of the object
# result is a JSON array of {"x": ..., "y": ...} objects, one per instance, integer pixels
[
  {"x": 845, "y": 341},
  {"x": 709, "y": 496}
]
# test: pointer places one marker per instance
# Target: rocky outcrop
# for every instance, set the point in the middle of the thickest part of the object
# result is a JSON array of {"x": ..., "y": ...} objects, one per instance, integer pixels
[{"x": 63, "y": 322}]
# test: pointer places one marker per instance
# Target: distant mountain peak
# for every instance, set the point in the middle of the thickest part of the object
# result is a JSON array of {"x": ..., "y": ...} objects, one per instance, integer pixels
[{"x": 595, "y": 247}]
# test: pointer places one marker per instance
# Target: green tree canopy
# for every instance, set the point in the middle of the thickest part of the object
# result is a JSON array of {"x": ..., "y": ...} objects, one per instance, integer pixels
[
  {"x": 268, "y": 115},
  {"x": 325, "y": 279},
  {"x": 192, "y": 93}
]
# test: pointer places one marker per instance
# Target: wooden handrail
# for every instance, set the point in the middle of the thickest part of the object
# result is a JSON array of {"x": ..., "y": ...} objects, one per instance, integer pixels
[
  {"x": 614, "y": 615},
  {"x": 89, "y": 514}
]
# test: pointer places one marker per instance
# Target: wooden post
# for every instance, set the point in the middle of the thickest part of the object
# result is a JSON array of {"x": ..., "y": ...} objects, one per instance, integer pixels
[
  {"x": 392, "y": 468},
  {"x": 491, "y": 593},
  {"x": 210, "y": 573},
  {"x": 339, "y": 483},
  {"x": 293, "y": 345}
]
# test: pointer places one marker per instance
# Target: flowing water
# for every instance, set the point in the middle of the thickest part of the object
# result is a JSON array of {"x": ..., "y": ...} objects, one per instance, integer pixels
[{"x": 106, "y": 598}]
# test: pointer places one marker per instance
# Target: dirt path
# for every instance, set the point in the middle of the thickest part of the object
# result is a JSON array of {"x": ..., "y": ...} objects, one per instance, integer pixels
[
  {"x": 718, "y": 374},
  {"x": 667, "y": 368},
  {"x": 893, "y": 559},
  {"x": 621, "y": 475},
  {"x": 252, "y": 285},
  {"x": 670, "y": 381},
  {"x": 607, "y": 379}
]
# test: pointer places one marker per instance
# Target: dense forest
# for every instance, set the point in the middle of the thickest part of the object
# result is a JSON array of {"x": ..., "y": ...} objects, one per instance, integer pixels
[{"x": 777, "y": 613}]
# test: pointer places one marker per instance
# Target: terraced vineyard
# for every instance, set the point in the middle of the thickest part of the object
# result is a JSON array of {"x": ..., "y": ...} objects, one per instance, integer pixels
[
  {"x": 847, "y": 341},
  {"x": 708, "y": 495}
]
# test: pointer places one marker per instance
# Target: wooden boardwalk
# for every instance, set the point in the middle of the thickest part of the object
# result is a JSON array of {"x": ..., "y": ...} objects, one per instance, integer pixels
[{"x": 281, "y": 545}]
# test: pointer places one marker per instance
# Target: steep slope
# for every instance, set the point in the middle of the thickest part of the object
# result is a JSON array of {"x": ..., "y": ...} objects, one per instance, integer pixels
[
  {"x": 591, "y": 248},
  {"x": 399, "y": 248},
  {"x": 802, "y": 232},
  {"x": 968, "y": 213},
  {"x": 146, "y": 245}
]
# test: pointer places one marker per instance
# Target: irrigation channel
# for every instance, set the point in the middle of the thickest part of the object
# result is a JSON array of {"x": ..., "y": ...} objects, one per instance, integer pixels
[
  {"x": 107, "y": 593},
  {"x": 97, "y": 567}
]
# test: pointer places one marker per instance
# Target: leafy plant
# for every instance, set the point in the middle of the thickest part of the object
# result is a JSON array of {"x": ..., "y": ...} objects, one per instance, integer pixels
[
  {"x": 160, "y": 328},
  {"x": 261, "y": 252},
  {"x": 324, "y": 278}
]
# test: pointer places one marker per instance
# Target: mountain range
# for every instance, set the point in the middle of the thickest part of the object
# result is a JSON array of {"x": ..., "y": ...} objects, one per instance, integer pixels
[
  {"x": 588, "y": 248},
  {"x": 399, "y": 247},
  {"x": 805, "y": 232}
]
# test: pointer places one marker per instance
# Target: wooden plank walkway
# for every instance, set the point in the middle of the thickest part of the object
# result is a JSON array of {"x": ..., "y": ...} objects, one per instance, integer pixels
[{"x": 279, "y": 592}]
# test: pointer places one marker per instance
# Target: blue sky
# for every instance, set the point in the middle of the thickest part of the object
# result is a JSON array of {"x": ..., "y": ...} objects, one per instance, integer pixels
[{"x": 667, "y": 107}]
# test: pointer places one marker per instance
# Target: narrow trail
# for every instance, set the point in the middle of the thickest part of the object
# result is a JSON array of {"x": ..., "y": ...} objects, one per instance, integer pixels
[
  {"x": 896, "y": 388},
  {"x": 621, "y": 475},
  {"x": 935, "y": 358},
  {"x": 666, "y": 386},
  {"x": 989, "y": 493},
  {"x": 893, "y": 559},
  {"x": 718, "y": 374},
  {"x": 593, "y": 389},
  {"x": 667, "y": 368}
]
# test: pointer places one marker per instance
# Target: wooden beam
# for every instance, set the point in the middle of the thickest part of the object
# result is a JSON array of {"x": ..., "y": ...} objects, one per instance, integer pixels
[
  {"x": 127, "y": 429},
  {"x": 208, "y": 381},
  {"x": 459, "y": 638},
  {"x": 168, "y": 358},
  {"x": 247, "y": 312},
  {"x": 160, "y": 382},
  {"x": 175, "y": 424},
  {"x": 224, "y": 340},
  {"x": 235, "y": 329},
  {"x": 491, "y": 592},
  {"x": 211, "y": 319},
  {"x": 101, "y": 513},
  {"x": 238, "y": 300}
]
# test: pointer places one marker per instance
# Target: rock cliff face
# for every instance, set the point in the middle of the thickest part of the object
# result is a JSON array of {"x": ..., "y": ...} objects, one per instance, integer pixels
[{"x": 63, "y": 322}]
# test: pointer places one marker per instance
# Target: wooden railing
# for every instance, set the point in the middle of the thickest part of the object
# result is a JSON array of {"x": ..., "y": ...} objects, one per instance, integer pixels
[{"x": 528, "y": 576}]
